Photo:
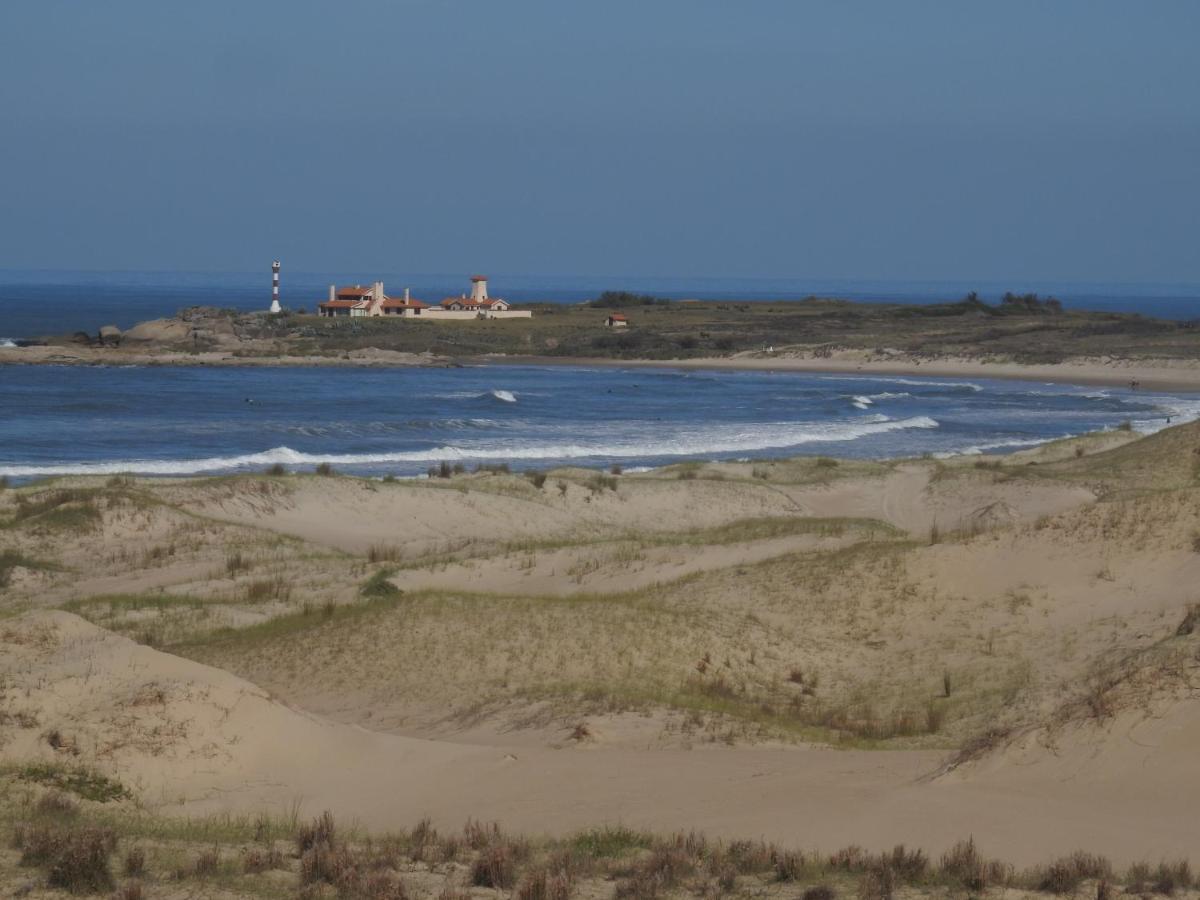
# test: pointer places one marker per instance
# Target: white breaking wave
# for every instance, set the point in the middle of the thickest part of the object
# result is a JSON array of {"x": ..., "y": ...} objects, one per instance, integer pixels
[
  {"x": 864, "y": 401},
  {"x": 729, "y": 439},
  {"x": 915, "y": 381},
  {"x": 458, "y": 395},
  {"x": 506, "y": 396},
  {"x": 7, "y": 342},
  {"x": 889, "y": 379},
  {"x": 1175, "y": 408}
]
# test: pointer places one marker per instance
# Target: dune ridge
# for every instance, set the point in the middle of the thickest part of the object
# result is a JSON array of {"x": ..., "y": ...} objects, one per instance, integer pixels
[{"x": 815, "y": 652}]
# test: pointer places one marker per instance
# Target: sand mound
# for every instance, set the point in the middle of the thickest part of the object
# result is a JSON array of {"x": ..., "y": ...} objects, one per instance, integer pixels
[
  {"x": 1126, "y": 744},
  {"x": 191, "y": 738},
  {"x": 1136, "y": 720},
  {"x": 171, "y": 729},
  {"x": 424, "y": 517}
]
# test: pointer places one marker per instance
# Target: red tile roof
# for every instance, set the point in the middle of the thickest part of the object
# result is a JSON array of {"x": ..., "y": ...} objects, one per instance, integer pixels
[
  {"x": 393, "y": 302},
  {"x": 339, "y": 304},
  {"x": 479, "y": 278}
]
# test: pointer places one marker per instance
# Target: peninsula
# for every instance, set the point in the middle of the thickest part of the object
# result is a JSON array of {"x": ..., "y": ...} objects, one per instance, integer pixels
[{"x": 1022, "y": 336}]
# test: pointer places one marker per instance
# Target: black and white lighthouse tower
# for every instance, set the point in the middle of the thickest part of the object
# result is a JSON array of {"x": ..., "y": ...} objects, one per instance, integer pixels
[{"x": 275, "y": 307}]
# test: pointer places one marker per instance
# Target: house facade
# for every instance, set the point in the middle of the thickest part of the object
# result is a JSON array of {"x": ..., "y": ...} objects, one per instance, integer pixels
[{"x": 358, "y": 300}]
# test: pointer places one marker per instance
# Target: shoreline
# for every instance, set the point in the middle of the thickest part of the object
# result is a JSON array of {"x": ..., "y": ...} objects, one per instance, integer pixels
[{"x": 1151, "y": 373}]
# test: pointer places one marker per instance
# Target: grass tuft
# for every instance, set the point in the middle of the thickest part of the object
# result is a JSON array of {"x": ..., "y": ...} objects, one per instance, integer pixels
[
  {"x": 79, "y": 780},
  {"x": 379, "y": 586}
]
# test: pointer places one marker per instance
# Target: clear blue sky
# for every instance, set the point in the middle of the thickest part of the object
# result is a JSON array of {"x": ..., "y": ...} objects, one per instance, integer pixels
[{"x": 896, "y": 140}]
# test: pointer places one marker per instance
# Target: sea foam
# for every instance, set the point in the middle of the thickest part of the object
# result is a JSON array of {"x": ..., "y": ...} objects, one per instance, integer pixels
[{"x": 724, "y": 439}]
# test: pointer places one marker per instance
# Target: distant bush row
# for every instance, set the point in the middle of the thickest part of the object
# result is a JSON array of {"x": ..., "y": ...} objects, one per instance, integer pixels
[{"x": 625, "y": 299}]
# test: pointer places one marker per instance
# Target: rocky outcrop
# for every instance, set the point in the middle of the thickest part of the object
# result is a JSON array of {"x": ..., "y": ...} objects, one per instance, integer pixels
[
  {"x": 110, "y": 336},
  {"x": 165, "y": 331}
]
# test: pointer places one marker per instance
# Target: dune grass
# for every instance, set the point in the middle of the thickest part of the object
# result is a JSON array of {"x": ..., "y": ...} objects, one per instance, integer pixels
[
  {"x": 10, "y": 560},
  {"x": 661, "y": 647},
  {"x": 79, "y": 780},
  {"x": 91, "y": 848}
]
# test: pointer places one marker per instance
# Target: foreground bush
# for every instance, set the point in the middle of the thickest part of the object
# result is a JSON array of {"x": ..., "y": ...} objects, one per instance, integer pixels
[{"x": 74, "y": 858}]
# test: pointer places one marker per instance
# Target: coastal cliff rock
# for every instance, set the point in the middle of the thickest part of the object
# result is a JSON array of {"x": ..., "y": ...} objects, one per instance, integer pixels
[
  {"x": 165, "y": 331},
  {"x": 110, "y": 335}
]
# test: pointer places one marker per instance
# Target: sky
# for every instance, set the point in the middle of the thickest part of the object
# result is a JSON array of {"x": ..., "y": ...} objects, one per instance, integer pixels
[{"x": 955, "y": 139}]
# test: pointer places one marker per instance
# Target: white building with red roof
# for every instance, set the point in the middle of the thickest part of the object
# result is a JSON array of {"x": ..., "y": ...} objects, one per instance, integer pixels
[
  {"x": 479, "y": 305},
  {"x": 356, "y": 301}
]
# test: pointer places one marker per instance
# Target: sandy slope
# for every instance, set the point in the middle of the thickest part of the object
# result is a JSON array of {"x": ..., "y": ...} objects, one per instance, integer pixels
[
  {"x": 434, "y": 517},
  {"x": 195, "y": 738}
]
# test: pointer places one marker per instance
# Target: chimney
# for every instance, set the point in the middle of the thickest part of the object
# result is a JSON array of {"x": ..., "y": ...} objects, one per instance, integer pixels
[
  {"x": 332, "y": 293},
  {"x": 406, "y": 295}
]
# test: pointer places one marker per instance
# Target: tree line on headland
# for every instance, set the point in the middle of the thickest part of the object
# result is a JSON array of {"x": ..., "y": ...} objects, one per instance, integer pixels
[{"x": 1010, "y": 303}]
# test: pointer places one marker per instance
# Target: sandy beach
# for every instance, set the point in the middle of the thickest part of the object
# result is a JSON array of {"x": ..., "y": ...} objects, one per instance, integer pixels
[{"x": 1149, "y": 373}]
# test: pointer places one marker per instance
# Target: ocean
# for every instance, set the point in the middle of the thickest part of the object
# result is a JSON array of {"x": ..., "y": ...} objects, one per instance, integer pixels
[
  {"x": 40, "y": 303},
  {"x": 198, "y": 420}
]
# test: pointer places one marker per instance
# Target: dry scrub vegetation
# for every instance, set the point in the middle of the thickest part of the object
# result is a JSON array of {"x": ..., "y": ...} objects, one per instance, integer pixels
[{"x": 70, "y": 845}]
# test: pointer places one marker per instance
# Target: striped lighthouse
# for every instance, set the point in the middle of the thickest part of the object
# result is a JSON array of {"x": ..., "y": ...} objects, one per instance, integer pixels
[{"x": 275, "y": 307}]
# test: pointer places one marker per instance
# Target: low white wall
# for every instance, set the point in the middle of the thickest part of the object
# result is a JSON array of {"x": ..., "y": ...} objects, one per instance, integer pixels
[
  {"x": 434, "y": 314},
  {"x": 510, "y": 314}
]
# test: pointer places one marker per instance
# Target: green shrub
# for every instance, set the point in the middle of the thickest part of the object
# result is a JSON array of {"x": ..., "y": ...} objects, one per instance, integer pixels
[
  {"x": 379, "y": 587},
  {"x": 79, "y": 780},
  {"x": 598, "y": 483},
  {"x": 610, "y": 841},
  {"x": 493, "y": 468},
  {"x": 67, "y": 510}
]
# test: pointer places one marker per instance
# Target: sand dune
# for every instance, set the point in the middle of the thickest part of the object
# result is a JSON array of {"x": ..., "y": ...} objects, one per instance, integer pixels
[
  {"x": 791, "y": 650},
  {"x": 193, "y": 738}
]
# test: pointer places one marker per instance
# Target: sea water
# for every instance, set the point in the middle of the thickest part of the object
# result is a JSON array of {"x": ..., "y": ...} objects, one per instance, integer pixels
[{"x": 192, "y": 420}]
